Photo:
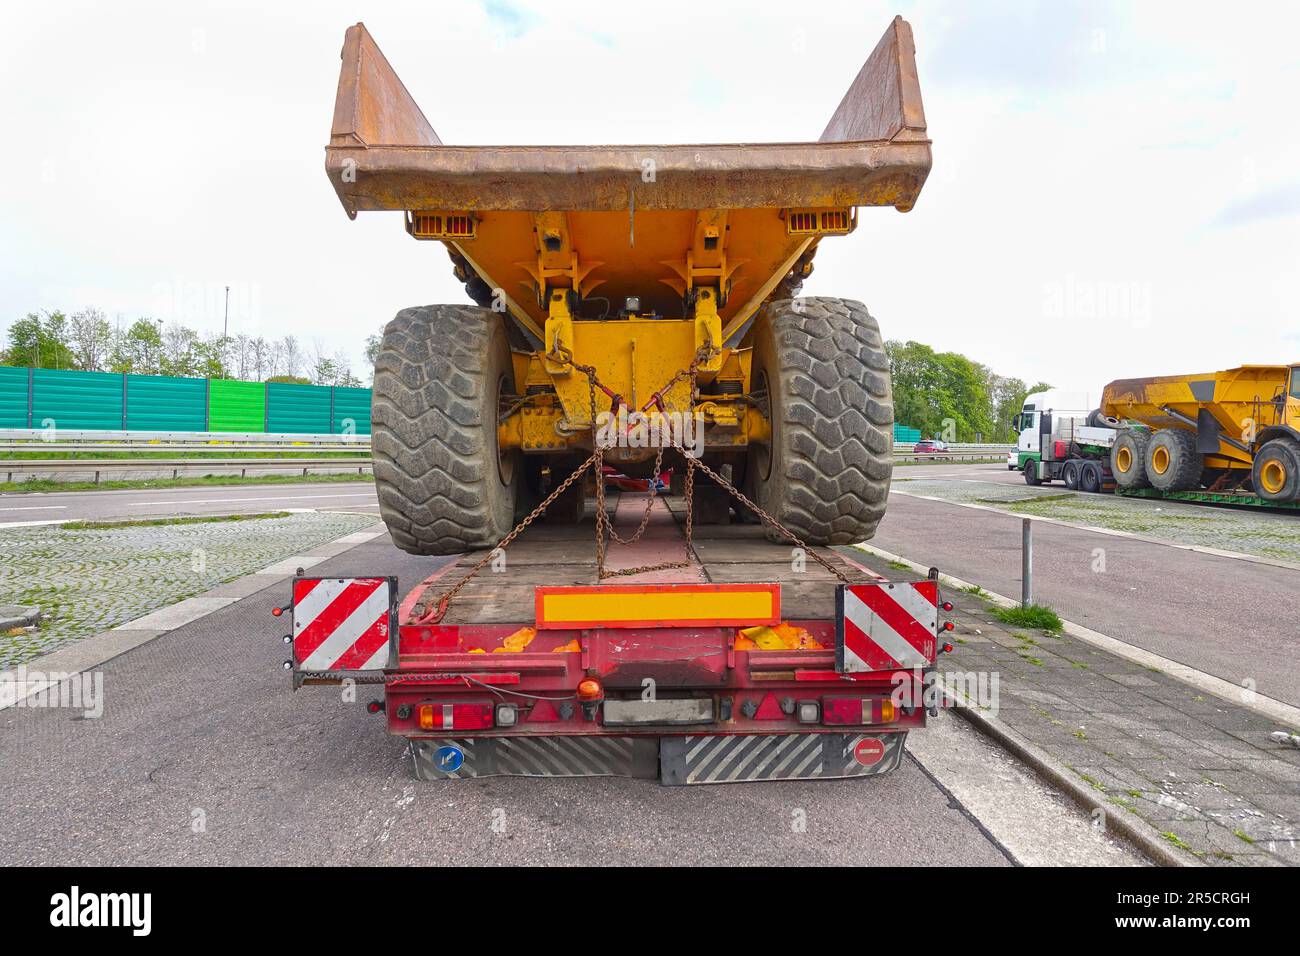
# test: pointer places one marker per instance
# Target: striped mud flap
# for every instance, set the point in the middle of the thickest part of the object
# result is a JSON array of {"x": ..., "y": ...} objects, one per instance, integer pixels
[
  {"x": 675, "y": 760},
  {"x": 741, "y": 757},
  {"x": 556, "y": 756}
]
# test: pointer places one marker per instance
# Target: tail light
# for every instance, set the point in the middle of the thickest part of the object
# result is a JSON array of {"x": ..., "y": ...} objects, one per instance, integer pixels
[
  {"x": 858, "y": 710},
  {"x": 464, "y": 716}
]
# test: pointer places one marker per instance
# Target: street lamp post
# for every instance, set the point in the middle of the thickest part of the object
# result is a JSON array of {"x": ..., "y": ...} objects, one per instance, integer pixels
[{"x": 225, "y": 333}]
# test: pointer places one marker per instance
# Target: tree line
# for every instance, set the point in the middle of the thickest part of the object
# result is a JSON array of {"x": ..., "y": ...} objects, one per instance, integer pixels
[
  {"x": 952, "y": 397},
  {"x": 87, "y": 341},
  {"x": 944, "y": 394}
]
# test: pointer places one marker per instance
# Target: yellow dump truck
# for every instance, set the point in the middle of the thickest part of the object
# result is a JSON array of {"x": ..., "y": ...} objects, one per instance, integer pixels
[
  {"x": 646, "y": 294},
  {"x": 1229, "y": 437},
  {"x": 1230, "y": 431}
]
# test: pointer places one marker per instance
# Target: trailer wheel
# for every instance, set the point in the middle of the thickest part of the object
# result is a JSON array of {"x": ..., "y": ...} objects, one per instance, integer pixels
[
  {"x": 444, "y": 485},
  {"x": 1172, "y": 461},
  {"x": 825, "y": 471},
  {"x": 1276, "y": 472},
  {"x": 1128, "y": 458},
  {"x": 1070, "y": 475},
  {"x": 1090, "y": 479}
]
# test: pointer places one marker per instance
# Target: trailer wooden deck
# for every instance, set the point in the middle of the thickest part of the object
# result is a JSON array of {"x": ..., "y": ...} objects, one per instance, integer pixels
[{"x": 554, "y": 555}]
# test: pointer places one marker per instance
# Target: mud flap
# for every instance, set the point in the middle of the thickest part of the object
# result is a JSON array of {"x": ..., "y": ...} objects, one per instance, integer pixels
[
  {"x": 675, "y": 760},
  {"x": 554, "y": 756},
  {"x": 745, "y": 757}
]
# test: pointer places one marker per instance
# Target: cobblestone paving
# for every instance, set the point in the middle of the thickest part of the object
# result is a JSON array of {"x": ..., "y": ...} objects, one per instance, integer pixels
[
  {"x": 1229, "y": 529},
  {"x": 92, "y": 580},
  {"x": 1200, "y": 770}
]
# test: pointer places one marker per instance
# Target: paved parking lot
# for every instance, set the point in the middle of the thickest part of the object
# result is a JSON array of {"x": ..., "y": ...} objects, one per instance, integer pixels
[{"x": 86, "y": 581}]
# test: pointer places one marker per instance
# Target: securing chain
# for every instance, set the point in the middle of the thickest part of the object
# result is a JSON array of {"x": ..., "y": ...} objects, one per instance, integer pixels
[
  {"x": 604, "y": 524},
  {"x": 439, "y": 609}
]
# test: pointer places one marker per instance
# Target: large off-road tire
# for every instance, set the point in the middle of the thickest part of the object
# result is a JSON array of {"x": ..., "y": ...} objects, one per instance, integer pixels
[
  {"x": 1276, "y": 472},
  {"x": 1172, "y": 461},
  {"x": 443, "y": 486},
  {"x": 825, "y": 472},
  {"x": 1128, "y": 458}
]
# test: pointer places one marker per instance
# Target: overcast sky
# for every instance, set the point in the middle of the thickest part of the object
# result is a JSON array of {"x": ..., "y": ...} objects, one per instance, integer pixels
[{"x": 1116, "y": 187}]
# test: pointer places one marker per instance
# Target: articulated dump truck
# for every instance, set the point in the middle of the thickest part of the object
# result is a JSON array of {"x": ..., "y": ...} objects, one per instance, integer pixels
[
  {"x": 634, "y": 316},
  {"x": 1230, "y": 437},
  {"x": 653, "y": 283}
]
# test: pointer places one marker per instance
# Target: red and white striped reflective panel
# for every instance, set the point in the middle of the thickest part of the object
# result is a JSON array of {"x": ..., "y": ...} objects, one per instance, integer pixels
[
  {"x": 889, "y": 626},
  {"x": 341, "y": 623}
]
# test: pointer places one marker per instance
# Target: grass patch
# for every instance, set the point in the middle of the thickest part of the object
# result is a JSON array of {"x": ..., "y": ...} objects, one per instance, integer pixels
[
  {"x": 1036, "y": 661},
  {"x": 900, "y": 566},
  {"x": 976, "y": 591},
  {"x": 1037, "y": 616},
  {"x": 1243, "y": 837},
  {"x": 1092, "y": 782},
  {"x": 1172, "y": 837},
  {"x": 159, "y": 522},
  {"x": 47, "y": 486}
]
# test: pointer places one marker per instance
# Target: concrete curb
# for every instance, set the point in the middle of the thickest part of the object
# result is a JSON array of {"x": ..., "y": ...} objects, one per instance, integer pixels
[
  {"x": 1139, "y": 833},
  {"x": 99, "y": 649},
  {"x": 1275, "y": 710}
]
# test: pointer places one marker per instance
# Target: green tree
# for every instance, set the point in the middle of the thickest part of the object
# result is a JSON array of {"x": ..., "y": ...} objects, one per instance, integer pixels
[
  {"x": 40, "y": 341},
  {"x": 139, "y": 349}
]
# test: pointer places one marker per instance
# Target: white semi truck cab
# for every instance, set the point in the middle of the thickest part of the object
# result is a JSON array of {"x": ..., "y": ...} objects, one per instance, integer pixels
[{"x": 1062, "y": 436}]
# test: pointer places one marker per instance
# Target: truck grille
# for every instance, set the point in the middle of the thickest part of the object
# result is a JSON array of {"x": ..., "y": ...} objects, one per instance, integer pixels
[
  {"x": 818, "y": 222},
  {"x": 441, "y": 225}
]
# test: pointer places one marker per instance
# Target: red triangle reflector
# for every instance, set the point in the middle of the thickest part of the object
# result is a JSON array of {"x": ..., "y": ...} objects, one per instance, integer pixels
[{"x": 769, "y": 709}]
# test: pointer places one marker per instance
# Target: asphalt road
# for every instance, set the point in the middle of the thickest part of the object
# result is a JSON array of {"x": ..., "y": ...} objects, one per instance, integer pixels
[
  {"x": 204, "y": 755},
  {"x": 1231, "y": 618},
  {"x": 172, "y": 502}
]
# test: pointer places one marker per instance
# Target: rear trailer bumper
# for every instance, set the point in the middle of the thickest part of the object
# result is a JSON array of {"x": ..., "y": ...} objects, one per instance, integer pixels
[{"x": 675, "y": 760}]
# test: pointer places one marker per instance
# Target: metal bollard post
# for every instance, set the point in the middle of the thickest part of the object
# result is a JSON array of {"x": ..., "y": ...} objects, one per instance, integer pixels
[{"x": 1026, "y": 562}]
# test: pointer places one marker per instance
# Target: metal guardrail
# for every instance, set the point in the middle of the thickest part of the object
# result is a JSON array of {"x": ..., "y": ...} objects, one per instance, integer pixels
[
  {"x": 102, "y": 466},
  {"x": 900, "y": 457},
  {"x": 63, "y": 439}
]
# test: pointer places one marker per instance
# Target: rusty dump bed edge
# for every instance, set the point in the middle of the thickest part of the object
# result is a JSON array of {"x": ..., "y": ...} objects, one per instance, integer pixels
[{"x": 384, "y": 153}]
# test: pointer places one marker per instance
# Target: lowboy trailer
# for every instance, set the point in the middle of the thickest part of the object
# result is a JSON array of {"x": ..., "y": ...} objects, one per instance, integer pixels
[{"x": 719, "y": 659}]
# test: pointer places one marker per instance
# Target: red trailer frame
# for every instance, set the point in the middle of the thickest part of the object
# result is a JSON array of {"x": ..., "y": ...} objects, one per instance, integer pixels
[{"x": 690, "y": 700}]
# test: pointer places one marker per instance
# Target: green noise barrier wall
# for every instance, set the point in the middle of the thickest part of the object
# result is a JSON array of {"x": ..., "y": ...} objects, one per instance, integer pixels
[{"x": 108, "y": 401}]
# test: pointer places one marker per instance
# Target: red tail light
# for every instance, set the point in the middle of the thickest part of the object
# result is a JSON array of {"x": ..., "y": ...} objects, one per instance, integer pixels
[
  {"x": 471, "y": 716},
  {"x": 858, "y": 710}
]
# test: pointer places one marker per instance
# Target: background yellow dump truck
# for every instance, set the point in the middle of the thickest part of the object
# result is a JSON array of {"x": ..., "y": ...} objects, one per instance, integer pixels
[
  {"x": 1221, "y": 431},
  {"x": 647, "y": 284},
  {"x": 1231, "y": 436}
]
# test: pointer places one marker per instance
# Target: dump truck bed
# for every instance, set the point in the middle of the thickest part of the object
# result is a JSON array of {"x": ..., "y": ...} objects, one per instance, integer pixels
[
  {"x": 631, "y": 214},
  {"x": 384, "y": 154}
]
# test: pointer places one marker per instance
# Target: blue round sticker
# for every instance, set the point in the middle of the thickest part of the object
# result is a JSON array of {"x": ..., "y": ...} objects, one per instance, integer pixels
[{"x": 448, "y": 759}]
